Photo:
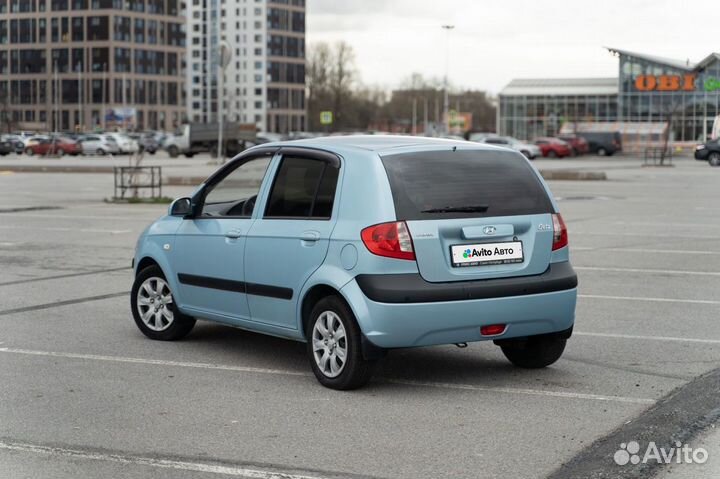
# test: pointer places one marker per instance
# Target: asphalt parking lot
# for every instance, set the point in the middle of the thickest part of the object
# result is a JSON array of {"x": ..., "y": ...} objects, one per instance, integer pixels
[{"x": 85, "y": 394}]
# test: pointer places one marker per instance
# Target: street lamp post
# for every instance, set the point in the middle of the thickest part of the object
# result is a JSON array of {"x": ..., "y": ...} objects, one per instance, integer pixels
[
  {"x": 224, "y": 60},
  {"x": 446, "y": 99}
]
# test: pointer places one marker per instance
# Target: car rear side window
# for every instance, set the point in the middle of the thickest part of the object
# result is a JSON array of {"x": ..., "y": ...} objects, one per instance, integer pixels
[
  {"x": 464, "y": 184},
  {"x": 303, "y": 188}
]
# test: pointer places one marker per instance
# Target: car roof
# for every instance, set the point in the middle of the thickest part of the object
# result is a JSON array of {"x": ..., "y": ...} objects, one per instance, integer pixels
[{"x": 381, "y": 144}]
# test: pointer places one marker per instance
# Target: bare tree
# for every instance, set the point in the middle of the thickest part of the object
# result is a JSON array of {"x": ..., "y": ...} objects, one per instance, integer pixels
[
  {"x": 670, "y": 112},
  {"x": 318, "y": 79},
  {"x": 342, "y": 77},
  {"x": 5, "y": 112}
]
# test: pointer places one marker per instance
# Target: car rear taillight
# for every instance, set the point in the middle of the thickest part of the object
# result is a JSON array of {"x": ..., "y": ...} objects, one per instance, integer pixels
[
  {"x": 560, "y": 234},
  {"x": 391, "y": 240}
]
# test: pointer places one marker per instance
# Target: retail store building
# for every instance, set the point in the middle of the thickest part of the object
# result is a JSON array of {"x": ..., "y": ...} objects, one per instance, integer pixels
[{"x": 649, "y": 94}]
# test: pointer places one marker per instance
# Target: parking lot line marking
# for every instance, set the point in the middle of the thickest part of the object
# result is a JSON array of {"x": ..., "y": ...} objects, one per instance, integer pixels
[
  {"x": 38, "y": 307},
  {"x": 640, "y": 298},
  {"x": 226, "y": 470},
  {"x": 157, "y": 362},
  {"x": 648, "y": 271},
  {"x": 222, "y": 367},
  {"x": 69, "y": 275},
  {"x": 529, "y": 392},
  {"x": 651, "y": 338},
  {"x": 639, "y": 250}
]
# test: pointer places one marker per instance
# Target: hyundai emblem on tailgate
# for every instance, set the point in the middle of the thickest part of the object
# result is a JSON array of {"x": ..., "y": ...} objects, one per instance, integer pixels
[{"x": 489, "y": 230}]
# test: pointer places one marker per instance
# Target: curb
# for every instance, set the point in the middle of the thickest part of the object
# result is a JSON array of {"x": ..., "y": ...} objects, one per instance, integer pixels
[
  {"x": 56, "y": 169},
  {"x": 573, "y": 175}
]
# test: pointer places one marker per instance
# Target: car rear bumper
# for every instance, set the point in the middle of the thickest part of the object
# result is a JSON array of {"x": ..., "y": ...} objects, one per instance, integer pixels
[{"x": 395, "y": 313}]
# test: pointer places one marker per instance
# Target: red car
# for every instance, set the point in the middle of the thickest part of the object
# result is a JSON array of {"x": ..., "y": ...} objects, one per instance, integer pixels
[
  {"x": 553, "y": 147},
  {"x": 60, "y": 147},
  {"x": 578, "y": 144}
]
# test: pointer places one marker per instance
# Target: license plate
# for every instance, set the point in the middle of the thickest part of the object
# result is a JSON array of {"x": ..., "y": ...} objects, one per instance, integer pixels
[{"x": 484, "y": 254}]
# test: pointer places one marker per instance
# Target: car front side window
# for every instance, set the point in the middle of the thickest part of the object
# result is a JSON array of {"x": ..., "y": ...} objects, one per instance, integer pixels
[{"x": 236, "y": 193}]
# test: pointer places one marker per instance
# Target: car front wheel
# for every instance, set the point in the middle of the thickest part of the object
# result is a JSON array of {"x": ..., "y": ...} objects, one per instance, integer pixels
[
  {"x": 714, "y": 159},
  {"x": 154, "y": 309},
  {"x": 334, "y": 346},
  {"x": 534, "y": 353}
]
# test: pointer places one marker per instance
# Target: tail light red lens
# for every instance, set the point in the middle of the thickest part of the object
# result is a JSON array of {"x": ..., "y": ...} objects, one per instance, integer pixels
[
  {"x": 492, "y": 330},
  {"x": 560, "y": 234},
  {"x": 391, "y": 240}
]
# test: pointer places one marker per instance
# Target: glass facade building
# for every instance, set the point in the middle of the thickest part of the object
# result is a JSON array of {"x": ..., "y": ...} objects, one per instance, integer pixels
[
  {"x": 71, "y": 65},
  {"x": 649, "y": 90}
]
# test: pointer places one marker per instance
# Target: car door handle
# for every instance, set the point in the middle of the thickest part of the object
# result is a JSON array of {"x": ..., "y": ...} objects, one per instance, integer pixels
[
  {"x": 310, "y": 236},
  {"x": 234, "y": 234}
]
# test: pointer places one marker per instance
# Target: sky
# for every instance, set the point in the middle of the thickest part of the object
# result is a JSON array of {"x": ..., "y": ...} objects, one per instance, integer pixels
[{"x": 496, "y": 41}]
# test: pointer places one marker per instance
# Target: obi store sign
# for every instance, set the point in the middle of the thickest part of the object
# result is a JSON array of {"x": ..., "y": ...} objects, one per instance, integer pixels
[{"x": 685, "y": 82}]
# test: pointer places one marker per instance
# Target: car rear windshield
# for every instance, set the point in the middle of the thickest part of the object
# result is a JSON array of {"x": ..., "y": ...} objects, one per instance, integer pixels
[{"x": 464, "y": 184}]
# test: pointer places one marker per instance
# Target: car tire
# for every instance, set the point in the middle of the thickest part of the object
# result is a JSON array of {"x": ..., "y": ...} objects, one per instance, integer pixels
[
  {"x": 154, "y": 309},
  {"x": 552, "y": 154},
  {"x": 173, "y": 151},
  {"x": 714, "y": 158},
  {"x": 535, "y": 353},
  {"x": 29, "y": 151},
  {"x": 525, "y": 153},
  {"x": 602, "y": 151},
  {"x": 332, "y": 318},
  {"x": 60, "y": 152},
  {"x": 100, "y": 152}
]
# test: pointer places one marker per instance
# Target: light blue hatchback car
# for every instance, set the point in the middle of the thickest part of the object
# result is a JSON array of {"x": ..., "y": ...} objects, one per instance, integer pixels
[{"x": 356, "y": 245}]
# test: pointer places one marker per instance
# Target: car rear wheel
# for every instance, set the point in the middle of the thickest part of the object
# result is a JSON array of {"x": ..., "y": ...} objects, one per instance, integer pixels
[
  {"x": 552, "y": 154},
  {"x": 334, "y": 346},
  {"x": 100, "y": 152},
  {"x": 173, "y": 151},
  {"x": 534, "y": 353},
  {"x": 29, "y": 151},
  {"x": 714, "y": 158},
  {"x": 602, "y": 151},
  {"x": 60, "y": 152},
  {"x": 154, "y": 309}
]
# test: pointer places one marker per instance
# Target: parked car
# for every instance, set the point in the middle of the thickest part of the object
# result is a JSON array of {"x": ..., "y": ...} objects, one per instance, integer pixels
[
  {"x": 479, "y": 135},
  {"x": 6, "y": 147},
  {"x": 16, "y": 141},
  {"x": 709, "y": 151},
  {"x": 553, "y": 147},
  {"x": 124, "y": 142},
  {"x": 149, "y": 143},
  {"x": 58, "y": 146},
  {"x": 603, "y": 143},
  {"x": 578, "y": 144},
  {"x": 99, "y": 145},
  {"x": 529, "y": 150},
  {"x": 360, "y": 244}
]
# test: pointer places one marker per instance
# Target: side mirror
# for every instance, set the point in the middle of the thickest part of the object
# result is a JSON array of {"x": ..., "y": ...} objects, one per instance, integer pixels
[{"x": 180, "y": 207}]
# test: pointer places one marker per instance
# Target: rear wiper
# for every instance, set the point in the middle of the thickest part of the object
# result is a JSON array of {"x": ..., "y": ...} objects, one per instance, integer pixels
[{"x": 458, "y": 209}]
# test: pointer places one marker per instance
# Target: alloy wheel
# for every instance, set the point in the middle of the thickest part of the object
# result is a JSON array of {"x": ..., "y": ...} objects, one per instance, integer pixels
[
  {"x": 329, "y": 344},
  {"x": 154, "y": 304}
]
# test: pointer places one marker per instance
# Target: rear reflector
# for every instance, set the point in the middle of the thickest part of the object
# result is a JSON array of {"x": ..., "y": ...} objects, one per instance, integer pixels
[
  {"x": 391, "y": 240},
  {"x": 560, "y": 234},
  {"x": 492, "y": 330}
]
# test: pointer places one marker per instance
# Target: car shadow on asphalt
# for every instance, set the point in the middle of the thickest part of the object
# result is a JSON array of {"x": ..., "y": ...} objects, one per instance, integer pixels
[{"x": 478, "y": 364}]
